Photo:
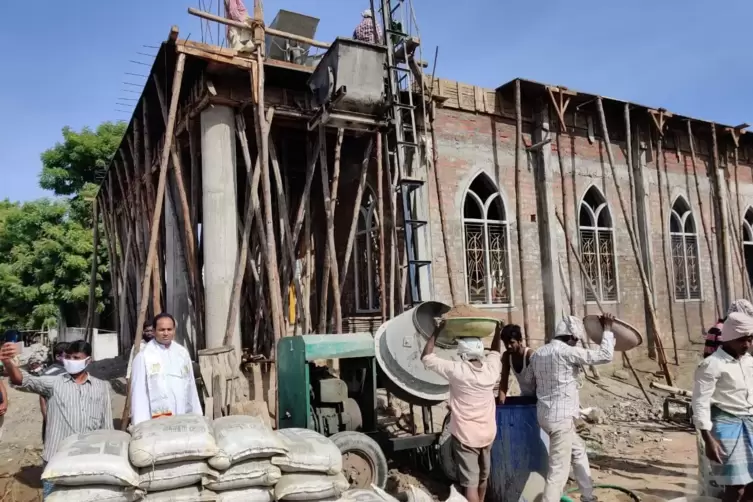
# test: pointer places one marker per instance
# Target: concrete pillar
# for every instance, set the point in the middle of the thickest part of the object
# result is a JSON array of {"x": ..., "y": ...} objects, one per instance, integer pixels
[
  {"x": 219, "y": 221},
  {"x": 177, "y": 301},
  {"x": 547, "y": 222}
]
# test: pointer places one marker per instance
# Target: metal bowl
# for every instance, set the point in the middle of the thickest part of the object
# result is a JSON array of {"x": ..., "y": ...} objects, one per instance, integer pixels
[
  {"x": 625, "y": 335},
  {"x": 460, "y": 327}
]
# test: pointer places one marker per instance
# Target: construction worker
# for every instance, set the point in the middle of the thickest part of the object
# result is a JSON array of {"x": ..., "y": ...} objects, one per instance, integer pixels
[
  {"x": 554, "y": 369},
  {"x": 162, "y": 382},
  {"x": 239, "y": 39},
  {"x": 516, "y": 358},
  {"x": 472, "y": 401},
  {"x": 368, "y": 30},
  {"x": 723, "y": 408},
  {"x": 147, "y": 334}
]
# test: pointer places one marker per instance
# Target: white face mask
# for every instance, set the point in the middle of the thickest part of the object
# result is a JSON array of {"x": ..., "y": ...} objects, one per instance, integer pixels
[{"x": 74, "y": 367}]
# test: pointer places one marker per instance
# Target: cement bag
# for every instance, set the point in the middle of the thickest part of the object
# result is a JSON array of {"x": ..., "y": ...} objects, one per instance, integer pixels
[
  {"x": 246, "y": 495},
  {"x": 310, "y": 487},
  {"x": 375, "y": 494},
  {"x": 308, "y": 451},
  {"x": 242, "y": 437},
  {"x": 172, "y": 476},
  {"x": 190, "y": 494},
  {"x": 251, "y": 473},
  {"x": 171, "y": 439},
  {"x": 93, "y": 494},
  {"x": 416, "y": 494},
  {"x": 93, "y": 458}
]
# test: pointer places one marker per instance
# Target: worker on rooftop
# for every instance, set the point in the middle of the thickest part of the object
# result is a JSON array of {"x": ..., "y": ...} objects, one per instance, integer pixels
[
  {"x": 368, "y": 30},
  {"x": 162, "y": 383},
  {"x": 238, "y": 39},
  {"x": 554, "y": 369},
  {"x": 472, "y": 403},
  {"x": 723, "y": 408}
]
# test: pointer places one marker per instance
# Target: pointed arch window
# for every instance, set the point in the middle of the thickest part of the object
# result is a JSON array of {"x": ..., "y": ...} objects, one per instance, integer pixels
[
  {"x": 487, "y": 252},
  {"x": 366, "y": 255},
  {"x": 748, "y": 242},
  {"x": 596, "y": 233},
  {"x": 684, "y": 243}
]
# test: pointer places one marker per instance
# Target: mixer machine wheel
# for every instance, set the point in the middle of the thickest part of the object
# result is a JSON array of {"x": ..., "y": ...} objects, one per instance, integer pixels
[{"x": 364, "y": 462}]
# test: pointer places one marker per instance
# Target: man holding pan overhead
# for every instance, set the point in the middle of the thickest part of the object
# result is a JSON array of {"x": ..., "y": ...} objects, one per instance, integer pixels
[{"x": 554, "y": 369}]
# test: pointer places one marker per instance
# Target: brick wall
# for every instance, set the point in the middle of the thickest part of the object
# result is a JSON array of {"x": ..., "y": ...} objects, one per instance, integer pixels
[{"x": 470, "y": 143}]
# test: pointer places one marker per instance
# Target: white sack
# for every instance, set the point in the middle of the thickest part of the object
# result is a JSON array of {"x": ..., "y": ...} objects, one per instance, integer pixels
[
  {"x": 171, "y": 439},
  {"x": 295, "y": 487},
  {"x": 375, "y": 494},
  {"x": 308, "y": 451},
  {"x": 242, "y": 437},
  {"x": 246, "y": 495},
  {"x": 93, "y": 494},
  {"x": 251, "y": 473},
  {"x": 172, "y": 476},
  {"x": 190, "y": 494},
  {"x": 93, "y": 458}
]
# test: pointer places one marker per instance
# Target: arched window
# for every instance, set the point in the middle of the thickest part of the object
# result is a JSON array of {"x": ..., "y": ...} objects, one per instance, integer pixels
[
  {"x": 748, "y": 242},
  {"x": 487, "y": 256},
  {"x": 366, "y": 255},
  {"x": 685, "y": 265},
  {"x": 597, "y": 246}
]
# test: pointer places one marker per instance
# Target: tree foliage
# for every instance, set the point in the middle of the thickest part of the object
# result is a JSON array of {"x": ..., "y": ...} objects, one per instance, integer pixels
[
  {"x": 46, "y": 245},
  {"x": 81, "y": 158}
]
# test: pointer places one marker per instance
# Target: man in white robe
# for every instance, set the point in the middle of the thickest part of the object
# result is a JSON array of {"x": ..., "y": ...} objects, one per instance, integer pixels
[{"x": 162, "y": 381}]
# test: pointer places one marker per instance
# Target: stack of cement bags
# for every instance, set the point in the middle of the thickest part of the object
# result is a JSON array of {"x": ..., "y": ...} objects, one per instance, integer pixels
[
  {"x": 311, "y": 468},
  {"x": 189, "y": 459},
  {"x": 93, "y": 467}
]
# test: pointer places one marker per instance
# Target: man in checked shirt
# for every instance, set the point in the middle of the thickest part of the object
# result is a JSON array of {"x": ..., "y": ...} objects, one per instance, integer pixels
[{"x": 554, "y": 368}]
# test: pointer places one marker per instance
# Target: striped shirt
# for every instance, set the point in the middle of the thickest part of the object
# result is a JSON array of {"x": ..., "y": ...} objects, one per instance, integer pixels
[
  {"x": 555, "y": 368},
  {"x": 71, "y": 408}
]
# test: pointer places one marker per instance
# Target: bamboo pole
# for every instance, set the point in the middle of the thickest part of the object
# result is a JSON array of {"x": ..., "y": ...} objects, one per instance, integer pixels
[
  {"x": 392, "y": 182},
  {"x": 724, "y": 230},
  {"x": 633, "y": 242},
  {"x": 93, "y": 276},
  {"x": 661, "y": 165},
  {"x": 706, "y": 232},
  {"x": 253, "y": 177},
  {"x": 356, "y": 209},
  {"x": 455, "y": 292},
  {"x": 112, "y": 260},
  {"x": 382, "y": 243},
  {"x": 152, "y": 254},
  {"x": 273, "y": 277},
  {"x": 287, "y": 232},
  {"x": 331, "y": 250},
  {"x": 519, "y": 208}
]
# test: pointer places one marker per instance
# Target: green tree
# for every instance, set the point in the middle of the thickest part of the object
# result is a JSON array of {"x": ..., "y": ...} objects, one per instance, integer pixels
[{"x": 81, "y": 158}]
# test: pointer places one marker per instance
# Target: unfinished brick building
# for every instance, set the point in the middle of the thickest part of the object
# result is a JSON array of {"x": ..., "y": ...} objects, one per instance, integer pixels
[{"x": 520, "y": 204}]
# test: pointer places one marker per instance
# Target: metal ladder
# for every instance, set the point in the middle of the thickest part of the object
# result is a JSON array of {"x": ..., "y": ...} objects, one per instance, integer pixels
[{"x": 403, "y": 147}]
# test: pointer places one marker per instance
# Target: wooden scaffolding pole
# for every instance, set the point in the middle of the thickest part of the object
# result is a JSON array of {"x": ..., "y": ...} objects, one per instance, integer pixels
[
  {"x": 648, "y": 297},
  {"x": 356, "y": 209},
  {"x": 262, "y": 127},
  {"x": 519, "y": 208},
  {"x": 382, "y": 242},
  {"x": 91, "y": 310},
  {"x": 704, "y": 225},
  {"x": 721, "y": 196},
  {"x": 152, "y": 253}
]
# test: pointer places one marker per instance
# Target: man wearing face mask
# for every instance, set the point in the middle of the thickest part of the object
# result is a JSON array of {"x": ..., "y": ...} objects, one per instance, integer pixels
[
  {"x": 76, "y": 401},
  {"x": 162, "y": 383}
]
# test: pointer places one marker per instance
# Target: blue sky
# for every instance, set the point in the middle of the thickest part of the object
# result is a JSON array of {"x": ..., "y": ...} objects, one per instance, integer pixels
[{"x": 63, "y": 62}]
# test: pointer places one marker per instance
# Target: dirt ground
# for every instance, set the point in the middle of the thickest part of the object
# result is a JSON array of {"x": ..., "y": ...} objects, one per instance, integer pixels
[{"x": 633, "y": 448}]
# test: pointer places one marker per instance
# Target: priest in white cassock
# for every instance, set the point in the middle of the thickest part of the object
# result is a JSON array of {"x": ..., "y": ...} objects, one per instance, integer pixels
[{"x": 162, "y": 381}]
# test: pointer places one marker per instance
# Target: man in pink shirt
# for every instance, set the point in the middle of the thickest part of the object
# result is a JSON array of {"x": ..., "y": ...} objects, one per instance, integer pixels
[
  {"x": 472, "y": 401},
  {"x": 239, "y": 39}
]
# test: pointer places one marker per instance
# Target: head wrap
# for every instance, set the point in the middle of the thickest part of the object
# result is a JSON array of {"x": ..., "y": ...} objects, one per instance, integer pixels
[
  {"x": 571, "y": 326},
  {"x": 742, "y": 305},
  {"x": 737, "y": 325},
  {"x": 470, "y": 348},
  {"x": 366, "y": 13}
]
